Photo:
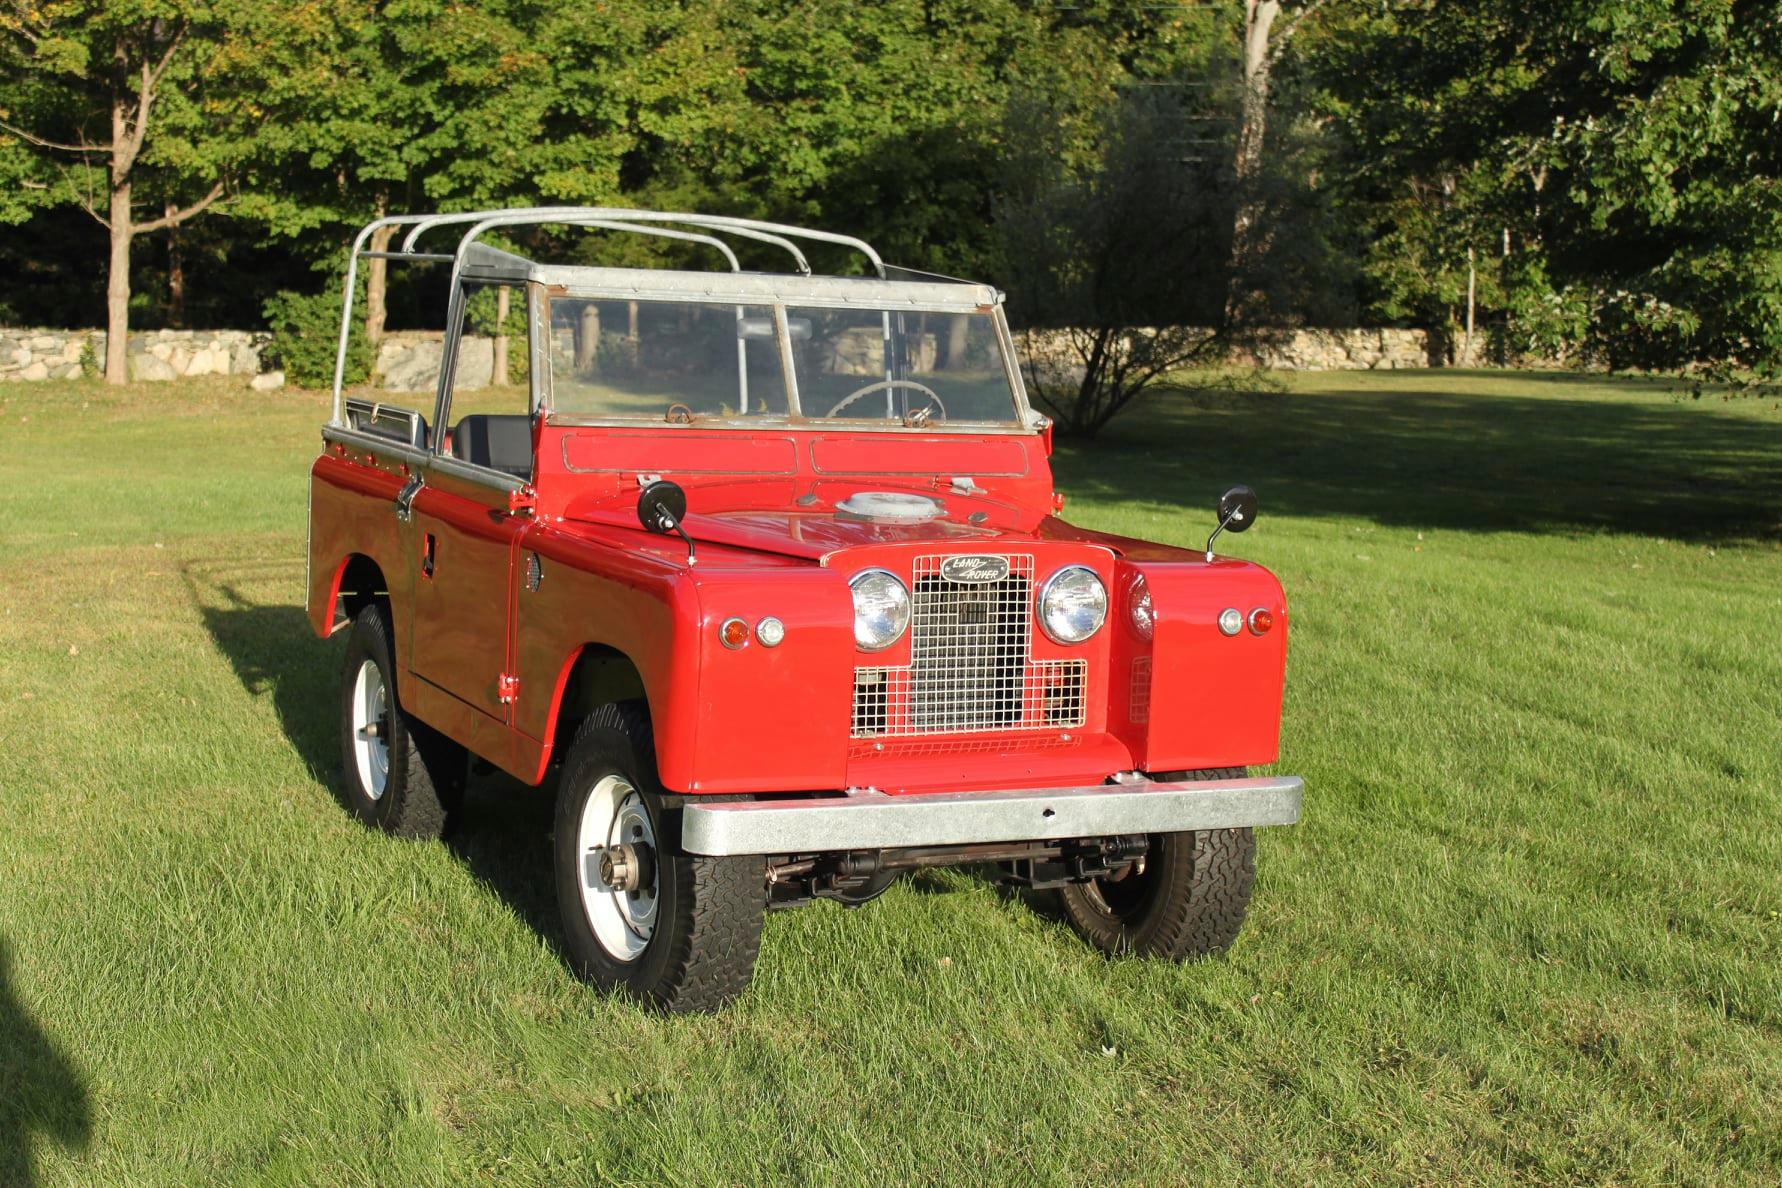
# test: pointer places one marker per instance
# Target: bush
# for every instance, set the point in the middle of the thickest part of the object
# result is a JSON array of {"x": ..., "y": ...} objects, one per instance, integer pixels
[
  {"x": 305, "y": 334},
  {"x": 1542, "y": 321}
]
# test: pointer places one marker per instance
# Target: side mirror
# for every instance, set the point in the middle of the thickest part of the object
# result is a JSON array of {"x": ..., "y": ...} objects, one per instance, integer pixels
[
  {"x": 661, "y": 507},
  {"x": 1236, "y": 510}
]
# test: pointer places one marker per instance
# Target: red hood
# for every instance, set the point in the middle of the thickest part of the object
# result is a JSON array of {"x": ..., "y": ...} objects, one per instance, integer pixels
[{"x": 814, "y": 535}]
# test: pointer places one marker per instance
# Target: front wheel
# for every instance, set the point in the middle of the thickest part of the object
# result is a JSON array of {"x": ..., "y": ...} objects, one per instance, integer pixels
[
  {"x": 398, "y": 774},
  {"x": 1186, "y": 897},
  {"x": 680, "y": 931}
]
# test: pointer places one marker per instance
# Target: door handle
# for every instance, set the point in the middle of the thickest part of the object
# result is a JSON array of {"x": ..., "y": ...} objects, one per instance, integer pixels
[{"x": 405, "y": 498}]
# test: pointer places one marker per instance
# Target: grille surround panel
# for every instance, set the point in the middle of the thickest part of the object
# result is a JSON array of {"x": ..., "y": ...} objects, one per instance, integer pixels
[{"x": 971, "y": 667}]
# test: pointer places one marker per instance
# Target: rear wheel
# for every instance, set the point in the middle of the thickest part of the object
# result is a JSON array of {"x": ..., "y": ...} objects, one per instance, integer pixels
[
  {"x": 398, "y": 774},
  {"x": 680, "y": 931},
  {"x": 1186, "y": 897}
]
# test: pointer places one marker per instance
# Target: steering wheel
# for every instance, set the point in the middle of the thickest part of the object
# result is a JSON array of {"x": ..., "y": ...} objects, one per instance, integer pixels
[{"x": 885, "y": 385}]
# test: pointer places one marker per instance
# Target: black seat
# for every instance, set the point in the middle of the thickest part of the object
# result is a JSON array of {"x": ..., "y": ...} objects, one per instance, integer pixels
[{"x": 500, "y": 442}]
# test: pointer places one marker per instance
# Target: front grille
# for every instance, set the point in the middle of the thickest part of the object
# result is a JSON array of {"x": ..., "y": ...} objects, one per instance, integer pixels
[{"x": 970, "y": 669}]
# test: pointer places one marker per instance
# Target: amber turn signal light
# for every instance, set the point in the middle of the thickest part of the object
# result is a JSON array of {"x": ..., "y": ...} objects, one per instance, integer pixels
[
  {"x": 1260, "y": 621},
  {"x": 733, "y": 633}
]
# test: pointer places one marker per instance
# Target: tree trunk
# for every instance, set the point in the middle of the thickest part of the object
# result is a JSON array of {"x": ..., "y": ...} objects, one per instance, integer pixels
[
  {"x": 957, "y": 328},
  {"x": 587, "y": 340},
  {"x": 499, "y": 377},
  {"x": 1259, "y": 18},
  {"x": 1472, "y": 277},
  {"x": 117, "y": 287},
  {"x": 176, "y": 273},
  {"x": 376, "y": 281}
]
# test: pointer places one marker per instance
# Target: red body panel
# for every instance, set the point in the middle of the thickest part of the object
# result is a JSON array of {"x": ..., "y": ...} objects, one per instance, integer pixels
[
  {"x": 770, "y": 542},
  {"x": 464, "y": 555}
]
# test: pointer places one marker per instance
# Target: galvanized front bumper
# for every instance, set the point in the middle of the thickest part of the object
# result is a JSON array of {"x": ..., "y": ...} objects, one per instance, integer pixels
[{"x": 873, "y": 820}]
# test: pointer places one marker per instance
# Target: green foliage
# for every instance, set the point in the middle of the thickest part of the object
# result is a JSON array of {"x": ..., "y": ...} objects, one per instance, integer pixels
[
  {"x": 1626, "y": 151},
  {"x": 306, "y": 335},
  {"x": 480, "y": 313},
  {"x": 1540, "y": 320},
  {"x": 89, "y": 360},
  {"x": 1125, "y": 253}
]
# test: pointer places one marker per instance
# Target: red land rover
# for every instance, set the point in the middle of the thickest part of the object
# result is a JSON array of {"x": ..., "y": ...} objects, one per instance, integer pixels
[{"x": 764, "y": 571}]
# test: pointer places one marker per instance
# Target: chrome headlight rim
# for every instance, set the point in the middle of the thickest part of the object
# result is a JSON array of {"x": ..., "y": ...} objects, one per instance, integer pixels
[
  {"x": 900, "y": 620},
  {"x": 1045, "y": 595}
]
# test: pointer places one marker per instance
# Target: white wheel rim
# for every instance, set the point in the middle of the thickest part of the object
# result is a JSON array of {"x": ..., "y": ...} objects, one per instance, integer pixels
[
  {"x": 371, "y": 730},
  {"x": 623, "y": 921}
]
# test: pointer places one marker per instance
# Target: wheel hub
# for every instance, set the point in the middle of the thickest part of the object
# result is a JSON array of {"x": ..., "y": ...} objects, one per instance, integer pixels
[
  {"x": 627, "y": 866},
  {"x": 619, "y": 870}
]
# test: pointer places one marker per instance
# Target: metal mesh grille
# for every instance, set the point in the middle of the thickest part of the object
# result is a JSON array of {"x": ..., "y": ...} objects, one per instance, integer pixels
[
  {"x": 977, "y": 744},
  {"x": 1139, "y": 703},
  {"x": 970, "y": 668}
]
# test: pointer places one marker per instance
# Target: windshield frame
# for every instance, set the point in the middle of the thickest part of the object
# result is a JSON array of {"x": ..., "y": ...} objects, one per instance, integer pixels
[{"x": 775, "y": 292}]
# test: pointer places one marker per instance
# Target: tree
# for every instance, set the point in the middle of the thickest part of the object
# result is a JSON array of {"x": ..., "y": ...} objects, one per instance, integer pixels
[
  {"x": 1610, "y": 164},
  {"x": 106, "y": 105},
  {"x": 1120, "y": 261},
  {"x": 432, "y": 105},
  {"x": 1263, "y": 46}
]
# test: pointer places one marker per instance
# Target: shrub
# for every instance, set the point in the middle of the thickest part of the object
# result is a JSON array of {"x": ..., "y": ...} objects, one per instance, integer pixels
[{"x": 305, "y": 334}]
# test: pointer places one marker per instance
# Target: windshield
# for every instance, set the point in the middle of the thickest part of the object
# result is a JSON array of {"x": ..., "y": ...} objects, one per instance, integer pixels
[
  {"x": 879, "y": 365},
  {"x": 683, "y": 360}
]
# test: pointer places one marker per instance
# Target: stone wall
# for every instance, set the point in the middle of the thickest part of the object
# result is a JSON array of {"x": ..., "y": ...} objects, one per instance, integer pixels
[
  {"x": 408, "y": 361},
  {"x": 152, "y": 354},
  {"x": 1049, "y": 352},
  {"x": 1348, "y": 350}
]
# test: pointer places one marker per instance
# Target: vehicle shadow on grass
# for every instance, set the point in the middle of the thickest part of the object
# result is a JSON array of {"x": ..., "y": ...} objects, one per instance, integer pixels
[
  {"x": 502, "y": 832},
  {"x": 42, "y": 1097},
  {"x": 1549, "y": 461},
  {"x": 502, "y": 835},
  {"x": 275, "y": 653}
]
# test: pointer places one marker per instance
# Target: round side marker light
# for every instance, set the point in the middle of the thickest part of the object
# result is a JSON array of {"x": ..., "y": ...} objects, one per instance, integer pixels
[
  {"x": 1231, "y": 620},
  {"x": 1260, "y": 621},
  {"x": 770, "y": 631},
  {"x": 733, "y": 633}
]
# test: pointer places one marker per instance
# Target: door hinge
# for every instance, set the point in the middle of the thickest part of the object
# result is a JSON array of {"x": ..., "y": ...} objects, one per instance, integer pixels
[{"x": 507, "y": 688}]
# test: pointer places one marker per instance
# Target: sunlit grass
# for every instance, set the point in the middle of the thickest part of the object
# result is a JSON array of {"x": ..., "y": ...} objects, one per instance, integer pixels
[{"x": 1528, "y": 928}]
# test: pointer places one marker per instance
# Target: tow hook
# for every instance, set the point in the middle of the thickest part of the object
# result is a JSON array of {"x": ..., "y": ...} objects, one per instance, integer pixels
[{"x": 627, "y": 866}]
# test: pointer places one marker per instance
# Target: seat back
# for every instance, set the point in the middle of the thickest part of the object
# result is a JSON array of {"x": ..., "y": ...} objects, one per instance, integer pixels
[{"x": 499, "y": 441}]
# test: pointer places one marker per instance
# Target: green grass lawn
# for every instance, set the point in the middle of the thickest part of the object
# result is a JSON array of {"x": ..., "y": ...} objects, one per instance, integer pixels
[{"x": 1528, "y": 928}]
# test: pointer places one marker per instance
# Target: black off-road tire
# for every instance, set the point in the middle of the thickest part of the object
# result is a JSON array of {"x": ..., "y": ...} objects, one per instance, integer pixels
[
  {"x": 425, "y": 781},
  {"x": 709, "y": 914},
  {"x": 1189, "y": 901}
]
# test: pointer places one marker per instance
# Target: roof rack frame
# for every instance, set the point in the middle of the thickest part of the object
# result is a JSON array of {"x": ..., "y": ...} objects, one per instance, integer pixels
[{"x": 611, "y": 218}]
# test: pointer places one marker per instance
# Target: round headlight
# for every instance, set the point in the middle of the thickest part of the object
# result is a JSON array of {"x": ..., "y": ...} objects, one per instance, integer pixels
[
  {"x": 1073, "y": 604},
  {"x": 1138, "y": 604},
  {"x": 881, "y": 609}
]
